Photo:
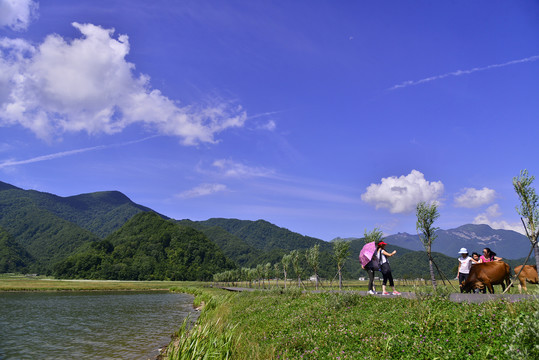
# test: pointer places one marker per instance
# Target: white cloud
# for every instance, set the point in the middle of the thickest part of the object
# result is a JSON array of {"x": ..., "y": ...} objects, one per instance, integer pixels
[
  {"x": 493, "y": 211},
  {"x": 230, "y": 168},
  {"x": 87, "y": 85},
  {"x": 11, "y": 163},
  {"x": 401, "y": 194},
  {"x": 202, "y": 190},
  {"x": 17, "y": 14},
  {"x": 463, "y": 72},
  {"x": 472, "y": 198},
  {"x": 270, "y": 126}
]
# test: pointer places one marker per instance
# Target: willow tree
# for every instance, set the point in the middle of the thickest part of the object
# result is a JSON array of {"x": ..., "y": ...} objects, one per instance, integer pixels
[
  {"x": 276, "y": 271},
  {"x": 341, "y": 251},
  {"x": 287, "y": 258},
  {"x": 528, "y": 209},
  {"x": 296, "y": 264},
  {"x": 373, "y": 236},
  {"x": 426, "y": 215},
  {"x": 313, "y": 259}
]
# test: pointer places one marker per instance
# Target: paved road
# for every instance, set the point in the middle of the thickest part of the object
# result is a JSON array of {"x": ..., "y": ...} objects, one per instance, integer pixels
[{"x": 455, "y": 297}]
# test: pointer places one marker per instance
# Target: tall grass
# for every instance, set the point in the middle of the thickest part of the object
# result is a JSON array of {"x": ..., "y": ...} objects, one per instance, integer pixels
[{"x": 345, "y": 325}]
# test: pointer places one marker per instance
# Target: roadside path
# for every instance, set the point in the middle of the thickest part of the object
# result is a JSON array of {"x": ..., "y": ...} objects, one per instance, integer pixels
[{"x": 455, "y": 297}]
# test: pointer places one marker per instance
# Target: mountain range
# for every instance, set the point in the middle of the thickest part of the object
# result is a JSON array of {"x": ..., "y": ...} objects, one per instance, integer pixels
[{"x": 42, "y": 232}]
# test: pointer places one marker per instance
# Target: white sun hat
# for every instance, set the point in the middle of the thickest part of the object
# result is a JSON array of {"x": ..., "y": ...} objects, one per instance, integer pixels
[{"x": 463, "y": 251}]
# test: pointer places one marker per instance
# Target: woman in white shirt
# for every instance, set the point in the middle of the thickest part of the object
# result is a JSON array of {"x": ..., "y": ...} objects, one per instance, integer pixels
[{"x": 465, "y": 264}]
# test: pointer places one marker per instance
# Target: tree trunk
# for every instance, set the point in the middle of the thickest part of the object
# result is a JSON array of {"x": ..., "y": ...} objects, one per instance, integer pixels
[
  {"x": 299, "y": 281},
  {"x": 432, "y": 278},
  {"x": 340, "y": 279},
  {"x": 285, "y": 280},
  {"x": 536, "y": 251}
]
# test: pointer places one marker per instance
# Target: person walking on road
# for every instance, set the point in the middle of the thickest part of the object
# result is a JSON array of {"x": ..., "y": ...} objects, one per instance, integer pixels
[{"x": 385, "y": 268}]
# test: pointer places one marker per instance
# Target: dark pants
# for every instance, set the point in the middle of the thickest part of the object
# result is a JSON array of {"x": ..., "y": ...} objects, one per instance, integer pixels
[
  {"x": 370, "y": 272},
  {"x": 462, "y": 278},
  {"x": 386, "y": 273}
]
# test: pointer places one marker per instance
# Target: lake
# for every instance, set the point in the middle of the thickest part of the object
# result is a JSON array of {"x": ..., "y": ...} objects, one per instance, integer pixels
[{"x": 89, "y": 325}]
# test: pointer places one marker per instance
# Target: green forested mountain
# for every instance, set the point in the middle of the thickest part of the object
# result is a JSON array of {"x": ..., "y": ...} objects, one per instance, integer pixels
[
  {"x": 44, "y": 235},
  {"x": 250, "y": 243},
  {"x": 241, "y": 241},
  {"x": 100, "y": 213},
  {"x": 265, "y": 236},
  {"x": 84, "y": 235},
  {"x": 13, "y": 257},
  {"x": 147, "y": 247}
]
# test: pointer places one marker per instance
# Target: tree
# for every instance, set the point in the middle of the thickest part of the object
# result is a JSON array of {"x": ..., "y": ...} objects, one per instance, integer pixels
[
  {"x": 287, "y": 258},
  {"x": 341, "y": 251},
  {"x": 297, "y": 266},
  {"x": 276, "y": 270},
  {"x": 426, "y": 215},
  {"x": 374, "y": 235},
  {"x": 260, "y": 274},
  {"x": 528, "y": 208},
  {"x": 313, "y": 259},
  {"x": 267, "y": 272}
]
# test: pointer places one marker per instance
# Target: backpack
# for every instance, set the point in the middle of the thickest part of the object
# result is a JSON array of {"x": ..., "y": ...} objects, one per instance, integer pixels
[{"x": 374, "y": 264}]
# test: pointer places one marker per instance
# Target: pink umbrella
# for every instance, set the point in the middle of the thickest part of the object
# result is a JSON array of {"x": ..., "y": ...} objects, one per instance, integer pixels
[{"x": 366, "y": 253}]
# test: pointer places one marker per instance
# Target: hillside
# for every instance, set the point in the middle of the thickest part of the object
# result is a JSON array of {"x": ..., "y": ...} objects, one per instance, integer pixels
[
  {"x": 13, "y": 258},
  {"x": 250, "y": 243},
  {"x": 147, "y": 247}
]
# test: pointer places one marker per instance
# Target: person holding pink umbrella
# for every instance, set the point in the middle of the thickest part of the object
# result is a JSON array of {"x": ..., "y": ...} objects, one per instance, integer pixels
[
  {"x": 369, "y": 263},
  {"x": 382, "y": 255}
]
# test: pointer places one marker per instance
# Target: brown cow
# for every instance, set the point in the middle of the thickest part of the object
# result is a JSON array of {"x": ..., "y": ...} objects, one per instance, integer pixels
[
  {"x": 529, "y": 274},
  {"x": 487, "y": 274}
]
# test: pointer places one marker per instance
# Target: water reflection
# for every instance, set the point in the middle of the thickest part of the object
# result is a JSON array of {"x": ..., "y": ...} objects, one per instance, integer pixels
[{"x": 89, "y": 325}]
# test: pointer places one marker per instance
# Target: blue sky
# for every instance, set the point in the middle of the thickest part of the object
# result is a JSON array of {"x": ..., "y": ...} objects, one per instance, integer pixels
[{"x": 324, "y": 117}]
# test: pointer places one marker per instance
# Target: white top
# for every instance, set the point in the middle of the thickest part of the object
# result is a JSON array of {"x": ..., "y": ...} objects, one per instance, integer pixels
[
  {"x": 381, "y": 257},
  {"x": 465, "y": 264}
]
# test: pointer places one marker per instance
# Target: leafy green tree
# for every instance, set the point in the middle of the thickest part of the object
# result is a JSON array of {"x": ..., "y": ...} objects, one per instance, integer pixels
[
  {"x": 528, "y": 208},
  {"x": 267, "y": 272},
  {"x": 313, "y": 259},
  {"x": 426, "y": 215},
  {"x": 297, "y": 265},
  {"x": 260, "y": 273},
  {"x": 277, "y": 271},
  {"x": 374, "y": 235},
  {"x": 287, "y": 258},
  {"x": 341, "y": 252}
]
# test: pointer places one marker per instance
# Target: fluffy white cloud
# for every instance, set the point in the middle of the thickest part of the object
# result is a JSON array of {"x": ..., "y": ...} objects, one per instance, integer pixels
[
  {"x": 472, "y": 198},
  {"x": 231, "y": 168},
  {"x": 493, "y": 211},
  {"x": 17, "y": 14},
  {"x": 87, "y": 85},
  {"x": 202, "y": 190},
  {"x": 401, "y": 194}
]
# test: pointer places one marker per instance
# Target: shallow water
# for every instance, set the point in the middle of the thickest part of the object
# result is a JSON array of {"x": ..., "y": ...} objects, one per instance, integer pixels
[{"x": 89, "y": 325}]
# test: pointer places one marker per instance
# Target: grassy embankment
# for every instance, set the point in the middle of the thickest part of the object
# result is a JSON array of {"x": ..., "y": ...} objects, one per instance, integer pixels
[{"x": 294, "y": 325}]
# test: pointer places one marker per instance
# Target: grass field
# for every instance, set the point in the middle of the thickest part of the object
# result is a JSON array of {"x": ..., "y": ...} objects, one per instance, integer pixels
[
  {"x": 297, "y": 325},
  {"x": 10, "y": 282}
]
